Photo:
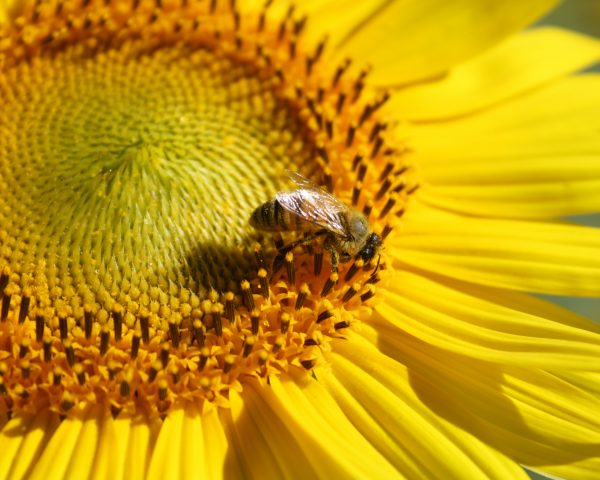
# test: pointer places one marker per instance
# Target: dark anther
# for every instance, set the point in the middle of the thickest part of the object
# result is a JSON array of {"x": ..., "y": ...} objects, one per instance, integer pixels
[
  {"x": 63, "y": 327},
  {"x": 260, "y": 258},
  {"x": 413, "y": 189},
  {"x": 80, "y": 373},
  {"x": 57, "y": 377},
  {"x": 5, "y": 306},
  {"x": 386, "y": 231},
  {"x": 264, "y": 283},
  {"x": 340, "y": 325},
  {"x": 23, "y": 348},
  {"x": 339, "y": 72},
  {"x": 370, "y": 293},
  {"x": 329, "y": 128},
  {"x": 356, "y": 193},
  {"x": 301, "y": 298},
  {"x": 164, "y": 355},
  {"x": 385, "y": 186},
  {"x": 104, "y": 337},
  {"x": 340, "y": 102},
  {"x": 47, "y": 350},
  {"x": 124, "y": 389},
  {"x": 349, "y": 293},
  {"x": 310, "y": 342},
  {"x": 376, "y": 130},
  {"x": 386, "y": 171},
  {"x": 255, "y": 319},
  {"x": 24, "y": 308},
  {"x": 198, "y": 331},
  {"x": 388, "y": 206},
  {"x": 230, "y": 307},
  {"x": 356, "y": 161},
  {"x": 247, "y": 297},
  {"x": 135, "y": 345},
  {"x": 69, "y": 353},
  {"x": 324, "y": 316},
  {"x": 145, "y": 327},
  {"x": 153, "y": 372},
  {"x": 355, "y": 267},
  {"x": 299, "y": 25},
  {"x": 248, "y": 346},
  {"x": 308, "y": 364},
  {"x": 118, "y": 323},
  {"x": 328, "y": 181},
  {"x": 174, "y": 332},
  {"x": 377, "y": 147},
  {"x": 25, "y": 369},
  {"x": 217, "y": 321},
  {"x": 3, "y": 283},
  {"x": 329, "y": 284},
  {"x": 87, "y": 322},
  {"x": 285, "y": 322},
  {"x": 362, "y": 171},
  {"x": 39, "y": 327},
  {"x": 323, "y": 154},
  {"x": 318, "y": 263},
  {"x": 203, "y": 358},
  {"x": 367, "y": 209}
]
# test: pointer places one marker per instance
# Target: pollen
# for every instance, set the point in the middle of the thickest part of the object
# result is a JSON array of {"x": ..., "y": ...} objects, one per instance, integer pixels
[{"x": 137, "y": 139}]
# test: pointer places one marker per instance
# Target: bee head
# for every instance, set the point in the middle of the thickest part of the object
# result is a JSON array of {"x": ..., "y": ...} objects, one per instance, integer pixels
[{"x": 371, "y": 247}]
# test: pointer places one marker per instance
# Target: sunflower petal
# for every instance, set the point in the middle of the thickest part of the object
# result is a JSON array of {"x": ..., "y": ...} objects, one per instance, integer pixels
[
  {"x": 535, "y": 157},
  {"x": 338, "y": 18},
  {"x": 318, "y": 424},
  {"x": 424, "y": 38},
  {"x": 440, "y": 449},
  {"x": 22, "y": 441},
  {"x": 136, "y": 439},
  {"x": 257, "y": 428},
  {"x": 532, "y": 416},
  {"x": 500, "y": 326},
  {"x": 519, "y": 64},
  {"x": 544, "y": 258}
]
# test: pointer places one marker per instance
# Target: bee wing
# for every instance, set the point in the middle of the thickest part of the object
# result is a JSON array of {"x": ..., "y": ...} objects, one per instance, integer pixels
[{"x": 313, "y": 204}]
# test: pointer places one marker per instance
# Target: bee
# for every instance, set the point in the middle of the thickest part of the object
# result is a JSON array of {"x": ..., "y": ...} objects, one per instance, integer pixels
[{"x": 311, "y": 209}]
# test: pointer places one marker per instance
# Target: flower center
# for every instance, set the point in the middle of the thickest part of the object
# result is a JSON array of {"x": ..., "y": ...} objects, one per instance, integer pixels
[{"x": 137, "y": 140}]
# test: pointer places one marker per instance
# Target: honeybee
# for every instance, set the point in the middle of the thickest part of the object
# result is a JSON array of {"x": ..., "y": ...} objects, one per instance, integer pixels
[{"x": 309, "y": 208}]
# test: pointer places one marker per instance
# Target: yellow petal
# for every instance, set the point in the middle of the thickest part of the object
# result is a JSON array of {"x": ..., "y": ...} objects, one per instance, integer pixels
[
  {"x": 535, "y": 257},
  {"x": 518, "y": 64},
  {"x": 440, "y": 449},
  {"x": 58, "y": 453},
  {"x": 532, "y": 416},
  {"x": 136, "y": 438},
  {"x": 338, "y": 18},
  {"x": 494, "y": 325},
  {"x": 323, "y": 432},
  {"x": 534, "y": 157},
  {"x": 412, "y": 40},
  {"x": 22, "y": 441},
  {"x": 266, "y": 444},
  {"x": 249, "y": 442},
  {"x": 217, "y": 451},
  {"x": 181, "y": 451}
]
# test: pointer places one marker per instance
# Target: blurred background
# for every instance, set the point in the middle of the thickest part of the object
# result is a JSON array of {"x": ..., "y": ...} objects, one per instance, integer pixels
[{"x": 582, "y": 16}]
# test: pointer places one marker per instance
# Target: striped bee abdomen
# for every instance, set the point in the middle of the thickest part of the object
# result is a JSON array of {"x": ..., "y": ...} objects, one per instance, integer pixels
[{"x": 273, "y": 217}]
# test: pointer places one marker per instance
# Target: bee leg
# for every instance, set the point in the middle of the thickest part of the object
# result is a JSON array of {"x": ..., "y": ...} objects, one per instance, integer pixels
[
  {"x": 281, "y": 252},
  {"x": 334, "y": 255}
]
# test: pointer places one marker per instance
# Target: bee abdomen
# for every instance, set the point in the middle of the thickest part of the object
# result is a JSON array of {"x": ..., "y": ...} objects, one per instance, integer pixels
[{"x": 272, "y": 216}]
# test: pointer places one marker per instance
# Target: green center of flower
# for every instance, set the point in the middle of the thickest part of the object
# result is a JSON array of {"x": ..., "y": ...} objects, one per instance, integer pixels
[
  {"x": 142, "y": 163},
  {"x": 137, "y": 142}
]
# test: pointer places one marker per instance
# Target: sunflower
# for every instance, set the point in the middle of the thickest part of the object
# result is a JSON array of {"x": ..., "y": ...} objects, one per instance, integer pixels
[{"x": 149, "y": 330}]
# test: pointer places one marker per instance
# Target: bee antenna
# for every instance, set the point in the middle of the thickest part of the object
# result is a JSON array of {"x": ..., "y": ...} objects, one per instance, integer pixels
[{"x": 377, "y": 266}]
